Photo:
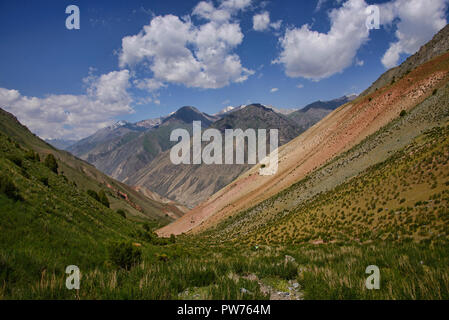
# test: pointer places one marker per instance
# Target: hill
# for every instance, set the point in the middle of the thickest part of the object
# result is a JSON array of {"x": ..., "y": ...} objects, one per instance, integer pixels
[
  {"x": 384, "y": 174},
  {"x": 314, "y": 112},
  {"x": 86, "y": 177},
  {"x": 435, "y": 47},
  {"x": 121, "y": 151},
  {"x": 191, "y": 184},
  {"x": 337, "y": 133}
]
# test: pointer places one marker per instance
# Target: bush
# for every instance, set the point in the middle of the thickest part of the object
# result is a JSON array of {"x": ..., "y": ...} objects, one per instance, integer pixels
[
  {"x": 172, "y": 238},
  {"x": 403, "y": 113},
  {"x": 124, "y": 254},
  {"x": 51, "y": 163},
  {"x": 32, "y": 156},
  {"x": 8, "y": 188},
  {"x": 44, "y": 181},
  {"x": 434, "y": 91},
  {"x": 103, "y": 198},
  {"x": 16, "y": 160},
  {"x": 93, "y": 194},
  {"x": 162, "y": 257},
  {"x": 122, "y": 213}
]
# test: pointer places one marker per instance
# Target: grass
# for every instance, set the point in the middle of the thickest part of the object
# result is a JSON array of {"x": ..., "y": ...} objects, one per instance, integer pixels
[
  {"x": 56, "y": 225},
  {"x": 372, "y": 206},
  {"x": 392, "y": 214}
]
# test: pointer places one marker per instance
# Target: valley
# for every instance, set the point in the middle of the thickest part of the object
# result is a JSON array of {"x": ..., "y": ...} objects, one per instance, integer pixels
[{"x": 362, "y": 180}]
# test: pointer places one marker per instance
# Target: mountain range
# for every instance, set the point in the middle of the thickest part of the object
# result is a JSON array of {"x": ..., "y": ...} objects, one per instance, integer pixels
[
  {"x": 366, "y": 185},
  {"x": 332, "y": 138},
  {"x": 137, "y": 153},
  {"x": 87, "y": 177}
]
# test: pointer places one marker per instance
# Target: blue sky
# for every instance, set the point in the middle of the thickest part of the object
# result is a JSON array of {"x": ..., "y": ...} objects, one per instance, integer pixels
[{"x": 69, "y": 83}]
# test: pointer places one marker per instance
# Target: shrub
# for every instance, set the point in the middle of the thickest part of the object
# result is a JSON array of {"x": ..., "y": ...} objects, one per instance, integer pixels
[
  {"x": 403, "y": 113},
  {"x": 162, "y": 257},
  {"x": 44, "y": 181},
  {"x": 122, "y": 213},
  {"x": 16, "y": 160},
  {"x": 434, "y": 92},
  {"x": 172, "y": 238},
  {"x": 8, "y": 188},
  {"x": 103, "y": 198},
  {"x": 51, "y": 163},
  {"x": 32, "y": 156},
  {"x": 124, "y": 254},
  {"x": 93, "y": 194}
]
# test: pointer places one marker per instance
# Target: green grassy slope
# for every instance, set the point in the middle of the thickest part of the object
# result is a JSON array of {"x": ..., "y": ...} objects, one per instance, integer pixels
[
  {"x": 87, "y": 176},
  {"x": 55, "y": 224},
  {"x": 405, "y": 198},
  {"x": 375, "y": 149}
]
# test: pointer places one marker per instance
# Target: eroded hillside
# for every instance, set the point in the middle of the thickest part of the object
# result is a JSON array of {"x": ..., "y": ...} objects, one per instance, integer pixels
[{"x": 337, "y": 133}]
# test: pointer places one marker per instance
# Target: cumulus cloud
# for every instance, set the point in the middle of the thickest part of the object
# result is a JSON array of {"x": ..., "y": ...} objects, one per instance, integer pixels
[
  {"x": 274, "y": 90},
  {"x": 72, "y": 116},
  {"x": 262, "y": 22},
  {"x": 314, "y": 55},
  {"x": 180, "y": 52},
  {"x": 419, "y": 20}
]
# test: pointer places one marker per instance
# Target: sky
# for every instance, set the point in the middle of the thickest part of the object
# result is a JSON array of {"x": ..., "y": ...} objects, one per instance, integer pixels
[{"x": 133, "y": 60}]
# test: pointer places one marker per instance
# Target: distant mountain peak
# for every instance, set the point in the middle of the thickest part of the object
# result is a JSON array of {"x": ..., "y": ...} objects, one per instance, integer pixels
[
  {"x": 189, "y": 114},
  {"x": 118, "y": 124}
]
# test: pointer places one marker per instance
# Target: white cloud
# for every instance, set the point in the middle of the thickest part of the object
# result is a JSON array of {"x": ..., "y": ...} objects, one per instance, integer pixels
[
  {"x": 207, "y": 10},
  {"x": 261, "y": 21},
  {"x": 179, "y": 52},
  {"x": 314, "y": 55},
  {"x": 72, "y": 116},
  {"x": 235, "y": 4},
  {"x": 419, "y": 20},
  {"x": 274, "y": 90},
  {"x": 276, "y": 25},
  {"x": 148, "y": 84},
  {"x": 300, "y": 86}
]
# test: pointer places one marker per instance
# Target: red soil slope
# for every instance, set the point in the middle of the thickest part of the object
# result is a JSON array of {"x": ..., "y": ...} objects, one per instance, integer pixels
[{"x": 338, "y": 132}]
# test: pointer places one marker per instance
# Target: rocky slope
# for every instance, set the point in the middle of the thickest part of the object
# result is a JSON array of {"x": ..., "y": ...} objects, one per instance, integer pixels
[
  {"x": 314, "y": 112},
  {"x": 435, "y": 47},
  {"x": 120, "y": 152},
  {"x": 339, "y": 132},
  {"x": 191, "y": 184}
]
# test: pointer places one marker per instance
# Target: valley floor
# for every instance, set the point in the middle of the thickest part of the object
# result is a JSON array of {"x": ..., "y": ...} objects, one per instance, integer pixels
[{"x": 197, "y": 270}]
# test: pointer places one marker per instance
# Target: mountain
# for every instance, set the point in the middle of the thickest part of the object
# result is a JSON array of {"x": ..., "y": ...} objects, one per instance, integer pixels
[
  {"x": 283, "y": 111},
  {"x": 314, "y": 112},
  {"x": 435, "y": 47},
  {"x": 104, "y": 138},
  {"x": 60, "y": 143},
  {"x": 334, "y": 138},
  {"x": 85, "y": 177},
  {"x": 122, "y": 150},
  {"x": 225, "y": 110},
  {"x": 190, "y": 184}
]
